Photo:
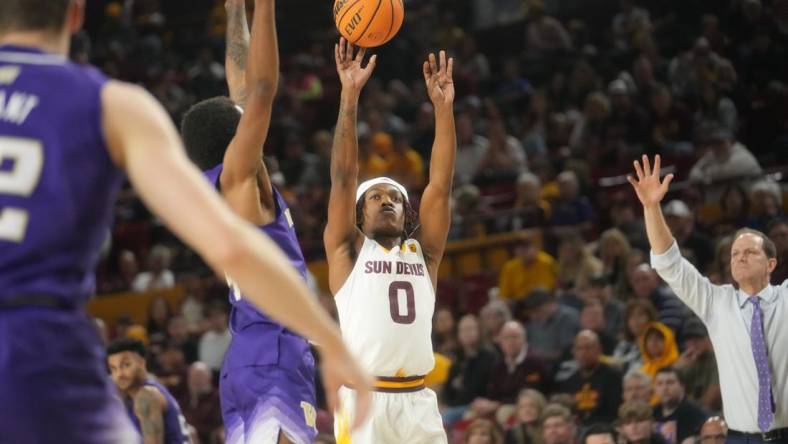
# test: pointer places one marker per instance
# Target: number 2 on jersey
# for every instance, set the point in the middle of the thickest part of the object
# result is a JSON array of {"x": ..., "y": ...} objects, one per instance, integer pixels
[
  {"x": 410, "y": 302},
  {"x": 27, "y": 161}
]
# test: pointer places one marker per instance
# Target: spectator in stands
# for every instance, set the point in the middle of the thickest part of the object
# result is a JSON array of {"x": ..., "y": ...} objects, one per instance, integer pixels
[
  {"x": 694, "y": 245},
  {"x": 527, "y": 427},
  {"x": 128, "y": 270},
  {"x": 716, "y": 109},
  {"x": 627, "y": 121},
  {"x": 698, "y": 367},
  {"x": 551, "y": 326},
  {"x": 171, "y": 368},
  {"x": 214, "y": 342},
  {"x": 778, "y": 233},
  {"x": 592, "y": 317},
  {"x": 589, "y": 133},
  {"x": 676, "y": 417},
  {"x": 600, "y": 290},
  {"x": 630, "y": 25},
  {"x": 637, "y": 386},
  {"x": 647, "y": 286},
  {"x": 483, "y": 431},
  {"x": 404, "y": 164},
  {"x": 159, "y": 314},
  {"x": 530, "y": 268},
  {"x": 178, "y": 334},
  {"x": 720, "y": 269},
  {"x": 505, "y": 158},
  {"x": 493, "y": 316},
  {"x": 467, "y": 213},
  {"x": 471, "y": 149},
  {"x": 624, "y": 217},
  {"x": 726, "y": 158},
  {"x": 613, "y": 250},
  {"x": 193, "y": 308},
  {"x": 444, "y": 332},
  {"x": 469, "y": 375},
  {"x": 714, "y": 431},
  {"x": 159, "y": 275},
  {"x": 576, "y": 265},
  {"x": 544, "y": 34},
  {"x": 571, "y": 208},
  {"x": 558, "y": 426},
  {"x": 201, "y": 408},
  {"x": 529, "y": 209},
  {"x": 635, "y": 424},
  {"x": 670, "y": 128},
  {"x": 599, "y": 434},
  {"x": 639, "y": 314},
  {"x": 766, "y": 197},
  {"x": 658, "y": 347},
  {"x": 595, "y": 386},
  {"x": 734, "y": 208},
  {"x": 517, "y": 368}
]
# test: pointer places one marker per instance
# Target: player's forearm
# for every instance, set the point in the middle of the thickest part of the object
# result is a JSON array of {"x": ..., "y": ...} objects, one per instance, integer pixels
[
  {"x": 444, "y": 150},
  {"x": 269, "y": 281},
  {"x": 659, "y": 236},
  {"x": 262, "y": 71},
  {"x": 237, "y": 49},
  {"x": 344, "y": 152}
]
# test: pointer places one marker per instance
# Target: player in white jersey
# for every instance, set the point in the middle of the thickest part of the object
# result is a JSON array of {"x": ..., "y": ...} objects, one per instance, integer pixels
[{"x": 383, "y": 271}]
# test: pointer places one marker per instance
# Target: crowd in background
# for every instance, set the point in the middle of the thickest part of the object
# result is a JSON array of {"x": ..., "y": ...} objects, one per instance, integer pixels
[{"x": 555, "y": 98}]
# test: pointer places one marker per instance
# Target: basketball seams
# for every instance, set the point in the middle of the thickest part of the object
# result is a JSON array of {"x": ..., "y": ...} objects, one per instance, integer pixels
[
  {"x": 346, "y": 10},
  {"x": 391, "y": 23},
  {"x": 369, "y": 22}
]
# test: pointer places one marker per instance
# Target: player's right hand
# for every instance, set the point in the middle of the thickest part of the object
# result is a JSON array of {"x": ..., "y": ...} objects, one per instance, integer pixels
[
  {"x": 649, "y": 188},
  {"x": 339, "y": 368},
  {"x": 351, "y": 74}
]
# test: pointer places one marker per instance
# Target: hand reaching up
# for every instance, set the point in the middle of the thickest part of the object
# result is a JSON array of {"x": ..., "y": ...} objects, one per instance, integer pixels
[
  {"x": 438, "y": 77},
  {"x": 648, "y": 186},
  {"x": 352, "y": 75}
]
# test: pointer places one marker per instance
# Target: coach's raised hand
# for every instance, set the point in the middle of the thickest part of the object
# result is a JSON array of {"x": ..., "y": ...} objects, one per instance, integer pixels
[
  {"x": 351, "y": 72},
  {"x": 651, "y": 190}
]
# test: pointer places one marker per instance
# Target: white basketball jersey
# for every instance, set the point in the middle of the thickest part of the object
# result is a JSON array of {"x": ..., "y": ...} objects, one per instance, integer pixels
[{"x": 385, "y": 310}]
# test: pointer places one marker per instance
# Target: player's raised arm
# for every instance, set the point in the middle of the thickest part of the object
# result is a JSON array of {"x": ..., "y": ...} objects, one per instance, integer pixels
[
  {"x": 341, "y": 231},
  {"x": 142, "y": 140},
  {"x": 434, "y": 213},
  {"x": 149, "y": 406},
  {"x": 244, "y": 180},
  {"x": 237, "y": 49}
]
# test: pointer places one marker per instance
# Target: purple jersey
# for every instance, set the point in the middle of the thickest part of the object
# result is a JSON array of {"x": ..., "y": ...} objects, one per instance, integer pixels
[
  {"x": 57, "y": 181},
  {"x": 175, "y": 427},
  {"x": 256, "y": 337}
]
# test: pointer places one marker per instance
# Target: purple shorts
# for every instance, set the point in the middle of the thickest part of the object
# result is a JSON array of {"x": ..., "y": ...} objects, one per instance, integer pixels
[
  {"x": 259, "y": 402},
  {"x": 54, "y": 385}
]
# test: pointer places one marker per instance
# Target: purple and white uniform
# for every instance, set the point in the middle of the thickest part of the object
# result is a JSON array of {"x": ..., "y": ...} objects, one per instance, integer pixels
[
  {"x": 176, "y": 430},
  {"x": 57, "y": 189},
  {"x": 268, "y": 376}
]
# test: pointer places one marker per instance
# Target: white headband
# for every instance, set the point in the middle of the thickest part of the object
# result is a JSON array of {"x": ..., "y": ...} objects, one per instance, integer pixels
[{"x": 376, "y": 181}]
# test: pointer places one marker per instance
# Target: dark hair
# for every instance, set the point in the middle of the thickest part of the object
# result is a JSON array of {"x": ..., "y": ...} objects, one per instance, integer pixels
[
  {"x": 638, "y": 305},
  {"x": 768, "y": 246},
  {"x": 126, "y": 345},
  {"x": 735, "y": 188},
  {"x": 672, "y": 370},
  {"x": 411, "y": 217},
  {"x": 207, "y": 129},
  {"x": 599, "y": 429},
  {"x": 33, "y": 15},
  {"x": 776, "y": 222}
]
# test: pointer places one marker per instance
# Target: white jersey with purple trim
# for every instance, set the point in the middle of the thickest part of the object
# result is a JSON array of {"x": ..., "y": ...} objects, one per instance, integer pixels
[{"x": 385, "y": 310}]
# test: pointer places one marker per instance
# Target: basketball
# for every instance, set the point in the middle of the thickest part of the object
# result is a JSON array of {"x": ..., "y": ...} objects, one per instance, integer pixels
[{"x": 368, "y": 23}]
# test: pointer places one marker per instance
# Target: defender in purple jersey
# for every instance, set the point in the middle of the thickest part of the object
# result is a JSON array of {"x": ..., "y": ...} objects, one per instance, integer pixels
[
  {"x": 267, "y": 380},
  {"x": 150, "y": 406},
  {"x": 66, "y": 135}
]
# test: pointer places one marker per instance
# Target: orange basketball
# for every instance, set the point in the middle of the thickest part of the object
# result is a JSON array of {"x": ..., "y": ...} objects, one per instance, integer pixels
[{"x": 368, "y": 23}]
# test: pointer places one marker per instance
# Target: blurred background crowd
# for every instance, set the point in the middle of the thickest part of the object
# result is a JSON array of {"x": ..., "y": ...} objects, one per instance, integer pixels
[{"x": 555, "y": 98}]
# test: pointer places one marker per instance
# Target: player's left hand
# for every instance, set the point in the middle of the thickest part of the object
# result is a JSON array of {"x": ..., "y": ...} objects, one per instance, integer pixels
[{"x": 438, "y": 77}]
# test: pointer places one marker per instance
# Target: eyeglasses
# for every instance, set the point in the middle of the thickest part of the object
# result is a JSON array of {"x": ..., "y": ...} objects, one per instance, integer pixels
[{"x": 711, "y": 438}]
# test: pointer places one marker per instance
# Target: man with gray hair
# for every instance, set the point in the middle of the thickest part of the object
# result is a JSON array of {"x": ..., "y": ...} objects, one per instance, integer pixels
[
  {"x": 745, "y": 322},
  {"x": 637, "y": 387}
]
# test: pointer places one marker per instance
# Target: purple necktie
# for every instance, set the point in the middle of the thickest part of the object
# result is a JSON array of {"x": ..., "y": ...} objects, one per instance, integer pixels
[{"x": 765, "y": 404}]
